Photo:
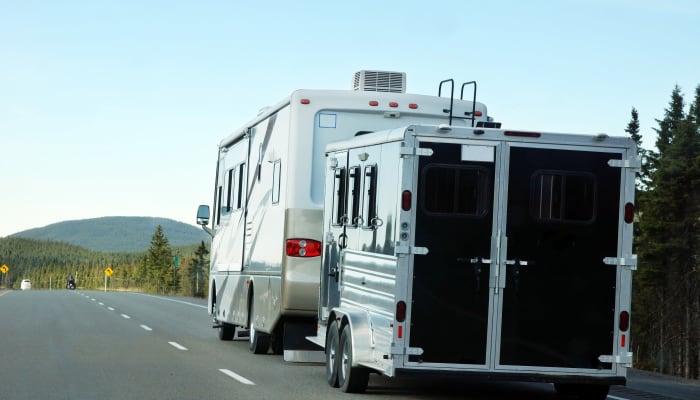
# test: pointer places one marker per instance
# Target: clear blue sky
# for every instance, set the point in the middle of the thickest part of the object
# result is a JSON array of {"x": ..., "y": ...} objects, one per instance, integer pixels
[{"x": 116, "y": 107}]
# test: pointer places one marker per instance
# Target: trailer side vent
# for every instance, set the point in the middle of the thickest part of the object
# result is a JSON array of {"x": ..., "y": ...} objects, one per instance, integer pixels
[{"x": 379, "y": 81}]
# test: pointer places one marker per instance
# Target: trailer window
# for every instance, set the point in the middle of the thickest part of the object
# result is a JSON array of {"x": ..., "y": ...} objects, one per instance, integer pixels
[
  {"x": 354, "y": 196},
  {"x": 563, "y": 196},
  {"x": 276, "y": 171},
  {"x": 456, "y": 190},
  {"x": 340, "y": 197},
  {"x": 370, "y": 196}
]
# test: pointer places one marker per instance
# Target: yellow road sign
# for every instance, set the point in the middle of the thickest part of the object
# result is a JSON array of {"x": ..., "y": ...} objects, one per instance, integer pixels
[
  {"x": 109, "y": 271},
  {"x": 4, "y": 269}
]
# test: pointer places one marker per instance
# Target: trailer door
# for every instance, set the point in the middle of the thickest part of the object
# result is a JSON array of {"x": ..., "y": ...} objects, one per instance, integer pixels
[
  {"x": 558, "y": 296},
  {"x": 451, "y": 298}
]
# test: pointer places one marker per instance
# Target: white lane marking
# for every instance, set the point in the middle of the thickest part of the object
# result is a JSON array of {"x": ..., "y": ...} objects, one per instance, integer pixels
[
  {"x": 93, "y": 299},
  {"x": 146, "y": 327},
  {"x": 173, "y": 300},
  {"x": 178, "y": 346},
  {"x": 101, "y": 303},
  {"x": 110, "y": 308},
  {"x": 236, "y": 376},
  {"x": 616, "y": 398},
  {"x": 126, "y": 316}
]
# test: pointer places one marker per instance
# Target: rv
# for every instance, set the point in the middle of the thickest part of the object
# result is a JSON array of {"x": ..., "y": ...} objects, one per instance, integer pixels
[
  {"x": 479, "y": 251},
  {"x": 267, "y": 216}
]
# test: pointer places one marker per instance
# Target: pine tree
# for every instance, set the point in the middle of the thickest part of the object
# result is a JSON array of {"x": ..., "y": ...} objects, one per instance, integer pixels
[
  {"x": 159, "y": 261},
  {"x": 643, "y": 178}
]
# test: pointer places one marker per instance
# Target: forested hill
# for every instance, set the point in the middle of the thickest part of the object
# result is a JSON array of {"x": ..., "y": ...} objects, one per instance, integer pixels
[{"x": 116, "y": 234}]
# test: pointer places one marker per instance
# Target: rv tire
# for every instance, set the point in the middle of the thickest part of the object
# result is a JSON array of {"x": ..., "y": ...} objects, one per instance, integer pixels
[
  {"x": 258, "y": 342},
  {"x": 226, "y": 331},
  {"x": 332, "y": 351},
  {"x": 583, "y": 391},
  {"x": 350, "y": 379}
]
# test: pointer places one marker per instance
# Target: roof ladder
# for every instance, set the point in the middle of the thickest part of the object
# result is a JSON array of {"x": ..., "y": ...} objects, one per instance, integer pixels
[{"x": 469, "y": 115}]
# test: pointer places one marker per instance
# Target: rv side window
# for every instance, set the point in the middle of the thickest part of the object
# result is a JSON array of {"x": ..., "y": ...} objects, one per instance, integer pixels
[
  {"x": 563, "y": 196},
  {"x": 456, "y": 190},
  {"x": 354, "y": 197},
  {"x": 276, "y": 171},
  {"x": 340, "y": 197},
  {"x": 218, "y": 204},
  {"x": 240, "y": 185},
  {"x": 228, "y": 189},
  {"x": 370, "y": 197}
]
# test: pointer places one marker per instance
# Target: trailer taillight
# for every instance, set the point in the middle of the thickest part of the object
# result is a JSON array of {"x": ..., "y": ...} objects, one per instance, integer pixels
[
  {"x": 624, "y": 321},
  {"x": 303, "y": 248},
  {"x": 401, "y": 311},
  {"x": 406, "y": 200},
  {"x": 629, "y": 213}
]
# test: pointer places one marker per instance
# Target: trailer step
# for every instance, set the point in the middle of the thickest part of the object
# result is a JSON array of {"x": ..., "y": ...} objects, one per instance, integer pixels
[{"x": 304, "y": 356}]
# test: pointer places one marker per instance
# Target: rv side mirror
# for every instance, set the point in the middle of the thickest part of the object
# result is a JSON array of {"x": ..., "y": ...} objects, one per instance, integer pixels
[{"x": 203, "y": 215}]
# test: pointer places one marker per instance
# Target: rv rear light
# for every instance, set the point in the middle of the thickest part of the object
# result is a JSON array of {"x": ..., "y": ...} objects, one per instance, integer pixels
[
  {"x": 413, "y": 106},
  {"x": 393, "y": 104},
  {"x": 478, "y": 113},
  {"x": 373, "y": 103},
  {"x": 401, "y": 311},
  {"x": 305, "y": 101},
  {"x": 406, "y": 200},
  {"x": 303, "y": 248},
  {"x": 522, "y": 134},
  {"x": 624, "y": 321},
  {"x": 629, "y": 213}
]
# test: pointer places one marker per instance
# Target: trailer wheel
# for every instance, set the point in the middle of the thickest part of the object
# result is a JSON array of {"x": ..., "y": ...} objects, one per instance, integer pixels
[
  {"x": 258, "y": 342},
  {"x": 332, "y": 359},
  {"x": 583, "y": 391},
  {"x": 226, "y": 331},
  {"x": 350, "y": 379}
]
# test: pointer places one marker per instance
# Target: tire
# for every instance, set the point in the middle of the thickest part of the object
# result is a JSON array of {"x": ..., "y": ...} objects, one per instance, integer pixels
[
  {"x": 277, "y": 340},
  {"x": 226, "y": 331},
  {"x": 258, "y": 342},
  {"x": 350, "y": 379},
  {"x": 583, "y": 391},
  {"x": 332, "y": 350}
]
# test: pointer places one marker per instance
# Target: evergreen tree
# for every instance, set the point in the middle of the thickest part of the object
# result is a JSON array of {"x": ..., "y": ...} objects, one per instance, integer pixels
[
  {"x": 643, "y": 178},
  {"x": 159, "y": 261}
]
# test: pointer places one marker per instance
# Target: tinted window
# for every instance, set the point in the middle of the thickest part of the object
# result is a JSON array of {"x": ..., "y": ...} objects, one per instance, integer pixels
[
  {"x": 563, "y": 196},
  {"x": 460, "y": 190}
]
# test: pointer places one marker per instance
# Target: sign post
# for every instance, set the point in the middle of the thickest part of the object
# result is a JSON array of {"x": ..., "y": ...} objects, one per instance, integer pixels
[
  {"x": 4, "y": 268},
  {"x": 108, "y": 272}
]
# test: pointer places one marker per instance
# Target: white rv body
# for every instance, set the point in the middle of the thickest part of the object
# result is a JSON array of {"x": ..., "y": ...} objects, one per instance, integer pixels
[
  {"x": 475, "y": 251},
  {"x": 269, "y": 198}
]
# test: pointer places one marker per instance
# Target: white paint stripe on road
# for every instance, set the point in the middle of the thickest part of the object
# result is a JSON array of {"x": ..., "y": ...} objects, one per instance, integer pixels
[
  {"x": 110, "y": 308},
  {"x": 616, "y": 398},
  {"x": 178, "y": 346},
  {"x": 101, "y": 303},
  {"x": 126, "y": 316},
  {"x": 236, "y": 376},
  {"x": 173, "y": 300},
  {"x": 93, "y": 299},
  {"x": 146, "y": 328}
]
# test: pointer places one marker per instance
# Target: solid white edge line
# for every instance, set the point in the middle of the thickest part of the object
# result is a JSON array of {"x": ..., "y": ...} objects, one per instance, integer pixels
[
  {"x": 146, "y": 328},
  {"x": 177, "y": 346},
  {"x": 126, "y": 316},
  {"x": 236, "y": 376},
  {"x": 173, "y": 300},
  {"x": 616, "y": 398}
]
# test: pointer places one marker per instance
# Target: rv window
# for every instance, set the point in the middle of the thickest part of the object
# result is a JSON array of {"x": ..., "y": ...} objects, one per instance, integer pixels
[
  {"x": 229, "y": 191},
  {"x": 240, "y": 186},
  {"x": 370, "y": 197},
  {"x": 276, "y": 171},
  {"x": 354, "y": 197},
  {"x": 456, "y": 190},
  {"x": 340, "y": 197},
  {"x": 218, "y": 204},
  {"x": 563, "y": 196}
]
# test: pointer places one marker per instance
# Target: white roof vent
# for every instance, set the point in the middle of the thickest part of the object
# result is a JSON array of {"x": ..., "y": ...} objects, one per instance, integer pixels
[{"x": 379, "y": 81}]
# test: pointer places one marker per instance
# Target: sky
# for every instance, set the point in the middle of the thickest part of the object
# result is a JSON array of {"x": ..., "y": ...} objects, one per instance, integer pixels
[{"x": 116, "y": 108}]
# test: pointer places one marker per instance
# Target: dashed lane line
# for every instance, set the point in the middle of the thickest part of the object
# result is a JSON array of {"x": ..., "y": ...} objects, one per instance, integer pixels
[
  {"x": 178, "y": 346},
  {"x": 236, "y": 377},
  {"x": 126, "y": 316},
  {"x": 146, "y": 328}
]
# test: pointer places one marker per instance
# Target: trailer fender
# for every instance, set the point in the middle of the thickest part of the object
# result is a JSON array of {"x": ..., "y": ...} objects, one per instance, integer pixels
[{"x": 359, "y": 325}]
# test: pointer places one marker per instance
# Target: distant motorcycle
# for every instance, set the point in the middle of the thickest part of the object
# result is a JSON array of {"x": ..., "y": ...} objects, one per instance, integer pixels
[{"x": 70, "y": 285}]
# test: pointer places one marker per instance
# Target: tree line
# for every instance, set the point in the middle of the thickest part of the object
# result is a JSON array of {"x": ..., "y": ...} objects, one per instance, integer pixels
[
  {"x": 666, "y": 291},
  {"x": 162, "y": 269}
]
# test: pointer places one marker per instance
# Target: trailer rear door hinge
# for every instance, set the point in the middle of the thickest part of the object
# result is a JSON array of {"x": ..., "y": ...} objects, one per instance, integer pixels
[
  {"x": 629, "y": 262},
  {"x": 411, "y": 250},
  {"x": 625, "y": 360},
  {"x": 415, "y": 151},
  {"x": 635, "y": 163}
]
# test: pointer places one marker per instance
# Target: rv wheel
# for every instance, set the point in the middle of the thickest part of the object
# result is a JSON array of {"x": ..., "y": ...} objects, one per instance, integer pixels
[
  {"x": 226, "y": 331},
  {"x": 332, "y": 359},
  {"x": 258, "y": 342},
  {"x": 350, "y": 379},
  {"x": 584, "y": 392}
]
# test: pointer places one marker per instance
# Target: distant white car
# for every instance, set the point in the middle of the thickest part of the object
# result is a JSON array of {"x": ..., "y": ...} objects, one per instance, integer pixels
[{"x": 26, "y": 284}]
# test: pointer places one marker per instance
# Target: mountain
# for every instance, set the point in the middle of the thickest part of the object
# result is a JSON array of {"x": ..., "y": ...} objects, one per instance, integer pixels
[{"x": 117, "y": 234}]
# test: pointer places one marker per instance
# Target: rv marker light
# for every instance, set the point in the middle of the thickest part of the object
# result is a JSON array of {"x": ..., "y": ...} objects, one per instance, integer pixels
[
  {"x": 413, "y": 106},
  {"x": 393, "y": 104},
  {"x": 305, "y": 101},
  {"x": 373, "y": 103}
]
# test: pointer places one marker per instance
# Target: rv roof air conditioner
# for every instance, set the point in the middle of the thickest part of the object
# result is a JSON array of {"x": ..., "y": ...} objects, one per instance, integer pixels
[{"x": 379, "y": 81}]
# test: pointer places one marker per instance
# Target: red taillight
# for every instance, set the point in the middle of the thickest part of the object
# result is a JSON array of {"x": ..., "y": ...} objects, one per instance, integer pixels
[
  {"x": 623, "y": 340},
  {"x": 393, "y": 104},
  {"x": 373, "y": 103},
  {"x": 401, "y": 311},
  {"x": 522, "y": 134},
  {"x": 629, "y": 213},
  {"x": 413, "y": 106},
  {"x": 305, "y": 101},
  {"x": 406, "y": 200},
  {"x": 303, "y": 248},
  {"x": 478, "y": 113},
  {"x": 624, "y": 321}
]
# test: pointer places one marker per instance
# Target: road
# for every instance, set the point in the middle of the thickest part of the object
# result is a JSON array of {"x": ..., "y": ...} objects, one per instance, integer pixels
[{"x": 96, "y": 345}]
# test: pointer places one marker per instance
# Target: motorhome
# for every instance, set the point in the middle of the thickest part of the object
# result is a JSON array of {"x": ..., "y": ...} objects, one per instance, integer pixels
[
  {"x": 267, "y": 216},
  {"x": 479, "y": 251}
]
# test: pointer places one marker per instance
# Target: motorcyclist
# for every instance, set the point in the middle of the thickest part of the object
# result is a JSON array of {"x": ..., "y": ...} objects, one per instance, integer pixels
[{"x": 71, "y": 282}]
